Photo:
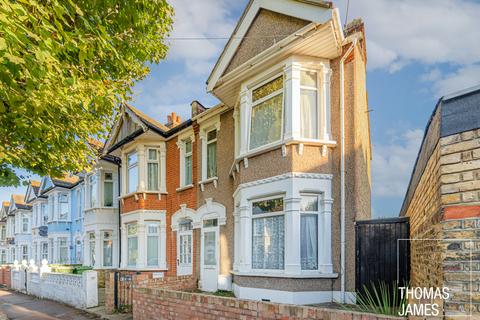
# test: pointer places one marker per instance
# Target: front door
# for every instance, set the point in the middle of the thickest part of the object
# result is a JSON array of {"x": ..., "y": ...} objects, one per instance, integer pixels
[
  {"x": 209, "y": 256},
  {"x": 184, "y": 250}
]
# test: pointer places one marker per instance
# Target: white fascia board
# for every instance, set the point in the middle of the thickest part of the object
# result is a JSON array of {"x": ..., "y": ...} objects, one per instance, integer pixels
[{"x": 291, "y": 8}]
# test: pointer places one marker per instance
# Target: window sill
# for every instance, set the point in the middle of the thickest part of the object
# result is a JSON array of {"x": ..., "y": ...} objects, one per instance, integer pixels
[
  {"x": 143, "y": 193},
  {"x": 206, "y": 181},
  {"x": 188, "y": 186},
  {"x": 305, "y": 275}
]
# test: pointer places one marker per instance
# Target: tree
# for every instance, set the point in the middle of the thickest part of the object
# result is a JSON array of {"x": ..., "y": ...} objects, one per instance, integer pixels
[{"x": 65, "y": 67}]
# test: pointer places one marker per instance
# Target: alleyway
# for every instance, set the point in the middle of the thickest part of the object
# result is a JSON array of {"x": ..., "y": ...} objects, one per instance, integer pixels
[{"x": 19, "y": 306}]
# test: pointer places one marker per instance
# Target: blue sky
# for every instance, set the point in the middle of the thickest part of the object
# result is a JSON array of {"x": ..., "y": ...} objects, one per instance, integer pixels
[{"x": 417, "y": 52}]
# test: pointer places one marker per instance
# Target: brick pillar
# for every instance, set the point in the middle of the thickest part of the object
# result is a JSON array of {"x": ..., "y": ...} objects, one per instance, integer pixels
[{"x": 109, "y": 292}]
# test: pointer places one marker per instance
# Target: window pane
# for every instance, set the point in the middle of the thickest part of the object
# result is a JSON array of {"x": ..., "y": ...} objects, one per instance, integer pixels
[
  {"x": 309, "y": 242},
  {"x": 308, "y": 114},
  {"x": 93, "y": 191},
  {"x": 188, "y": 170},
  {"x": 185, "y": 249},
  {"x": 212, "y": 135},
  {"x": 265, "y": 206},
  {"x": 267, "y": 89},
  {"x": 132, "y": 229},
  {"x": 132, "y": 159},
  {"x": 108, "y": 194},
  {"x": 152, "y": 250},
  {"x": 266, "y": 126},
  {"x": 188, "y": 146},
  {"x": 153, "y": 176},
  {"x": 185, "y": 225},
  {"x": 209, "y": 254},
  {"x": 268, "y": 243},
  {"x": 152, "y": 154},
  {"x": 107, "y": 253},
  {"x": 132, "y": 251},
  {"x": 132, "y": 179},
  {"x": 210, "y": 223},
  {"x": 308, "y": 78},
  {"x": 108, "y": 176},
  {"x": 309, "y": 203},
  {"x": 212, "y": 160}
]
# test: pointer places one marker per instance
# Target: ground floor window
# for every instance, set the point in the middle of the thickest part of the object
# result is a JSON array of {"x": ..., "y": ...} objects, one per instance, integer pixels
[
  {"x": 132, "y": 242},
  {"x": 107, "y": 248},
  {"x": 185, "y": 242},
  {"x": 268, "y": 236},
  {"x": 24, "y": 253},
  {"x": 91, "y": 248},
  {"x": 153, "y": 237},
  {"x": 62, "y": 250},
  {"x": 14, "y": 257},
  {"x": 309, "y": 232},
  {"x": 4, "y": 257},
  {"x": 78, "y": 251}
]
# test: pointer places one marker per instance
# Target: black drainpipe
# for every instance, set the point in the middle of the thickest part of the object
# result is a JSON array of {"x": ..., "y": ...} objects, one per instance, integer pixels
[{"x": 116, "y": 273}]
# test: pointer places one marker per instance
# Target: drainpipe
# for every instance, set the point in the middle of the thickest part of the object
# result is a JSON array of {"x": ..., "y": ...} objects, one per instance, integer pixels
[{"x": 342, "y": 170}]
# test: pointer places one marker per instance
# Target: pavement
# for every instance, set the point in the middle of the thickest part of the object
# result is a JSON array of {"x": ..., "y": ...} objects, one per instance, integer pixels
[{"x": 15, "y": 305}]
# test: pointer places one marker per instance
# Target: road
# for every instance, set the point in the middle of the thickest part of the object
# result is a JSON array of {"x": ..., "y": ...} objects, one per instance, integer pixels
[{"x": 20, "y": 306}]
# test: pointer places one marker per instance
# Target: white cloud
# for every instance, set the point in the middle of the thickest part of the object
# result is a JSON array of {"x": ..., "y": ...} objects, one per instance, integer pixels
[
  {"x": 427, "y": 31},
  {"x": 393, "y": 163},
  {"x": 464, "y": 77}
]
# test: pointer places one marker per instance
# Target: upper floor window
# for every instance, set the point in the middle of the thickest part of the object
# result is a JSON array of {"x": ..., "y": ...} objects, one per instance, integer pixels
[
  {"x": 132, "y": 173},
  {"x": 108, "y": 189},
  {"x": 266, "y": 113},
  {"x": 152, "y": 170},
  {"x": 63, "y": 206},
  {"x": 79, "y": 203},
  {"x": 4, "y": 232},
  {"x": 188, "y": 162},
  {"x": 25, "y": 224},
  {"x": 309, "y": 115},
  {"x": 212, "y": 154},
  {"x": 43, "y": 210},
  {"x": 92, "y": 190}
]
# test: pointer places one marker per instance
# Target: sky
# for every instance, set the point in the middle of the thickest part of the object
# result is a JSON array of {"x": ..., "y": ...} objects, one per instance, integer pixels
[{"x": 417, "y": 51}]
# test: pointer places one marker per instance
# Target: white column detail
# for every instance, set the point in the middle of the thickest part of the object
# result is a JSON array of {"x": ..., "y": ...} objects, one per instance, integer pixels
[
  {"x": 325, "y": 237},
  {"x": 324, "y": 91},
  {"x": 292, "y": 236},
  {"x": 237, "y": 238},
  {"x": 292, "y": 100},
  {"x": 244, "y": 119},
  {"x": 98, "y": 249},
  {"x": 245, "y": 245},
  {"x": 142, "y": 174},
  {"x": 142, "y": 245},
  {"x": 124, "y": 248}
]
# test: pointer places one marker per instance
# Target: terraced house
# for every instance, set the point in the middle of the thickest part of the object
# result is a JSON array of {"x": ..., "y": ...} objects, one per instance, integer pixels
[{"x": 257, "y": 194}]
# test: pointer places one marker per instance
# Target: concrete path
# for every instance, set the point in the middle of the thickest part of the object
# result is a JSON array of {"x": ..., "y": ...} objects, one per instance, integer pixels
[{"x": 20, "y": 306}]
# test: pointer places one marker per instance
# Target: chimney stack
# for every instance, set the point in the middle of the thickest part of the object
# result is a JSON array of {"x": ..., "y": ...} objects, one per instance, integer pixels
[{"x": 173, "y": 120}]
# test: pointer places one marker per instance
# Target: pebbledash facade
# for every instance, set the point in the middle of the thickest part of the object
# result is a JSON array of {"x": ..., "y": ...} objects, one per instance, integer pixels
[{"x": 258, "y": 194}]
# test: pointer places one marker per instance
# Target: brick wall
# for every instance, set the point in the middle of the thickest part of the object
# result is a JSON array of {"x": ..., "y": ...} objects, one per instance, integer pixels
[
  {"x": 151, "y": 304},
  {"x": 461, "y": 264},
  {"x": 5, "y": 276},
  {"x": 460, "y": 170}
]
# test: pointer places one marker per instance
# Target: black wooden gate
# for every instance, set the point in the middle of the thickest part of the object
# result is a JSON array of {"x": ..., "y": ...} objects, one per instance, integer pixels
[{"x": 381, "y": 255}]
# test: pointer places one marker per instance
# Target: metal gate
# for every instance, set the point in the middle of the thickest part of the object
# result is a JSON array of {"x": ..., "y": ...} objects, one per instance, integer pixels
[
  {"x": 123, "y": 291},
  {"x": 381, "y": 255}
]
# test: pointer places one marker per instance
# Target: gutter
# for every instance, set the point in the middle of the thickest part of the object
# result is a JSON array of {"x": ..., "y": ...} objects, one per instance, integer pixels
[{"x": 342, "y": 170}]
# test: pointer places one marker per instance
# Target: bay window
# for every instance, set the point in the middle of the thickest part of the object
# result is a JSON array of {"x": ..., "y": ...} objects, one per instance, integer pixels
[
  {"x": 91, "y": 247},
  {"x": 44, "y": 253},
  {"x": 79, "y": 203},
  {"x": 152, "y": 170},
  {"x": 63, "y": 206},
  {"x": 62, "y": 250},
  {"x": 25, "y": 252},
  {"x": 107, "y": 189},
  {"x": 308, "y": 105},
  {"x": 43, "y": 208},
  {"x": 25, "y": 224},
  {"x": 268, "y": 234},
  {"x": 153, "y": 236},
  {"x": 107, "y": 248},
  {"x": 132, "y": 245},
  {"x": 92, "y": 190},
  {"x": 188, "y": 168},
  {"x": 266, "y": 114},
  {"x": 132, "y": 172},
  {"x": 309, "y": 232}
]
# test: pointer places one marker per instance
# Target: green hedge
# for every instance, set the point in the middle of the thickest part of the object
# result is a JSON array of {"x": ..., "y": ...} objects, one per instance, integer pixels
[{"x": 69, "y": 268}]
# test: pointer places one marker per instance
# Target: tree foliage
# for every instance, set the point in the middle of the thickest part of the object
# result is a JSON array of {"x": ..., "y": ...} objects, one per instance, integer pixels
[{"x": 65, "y": 66}]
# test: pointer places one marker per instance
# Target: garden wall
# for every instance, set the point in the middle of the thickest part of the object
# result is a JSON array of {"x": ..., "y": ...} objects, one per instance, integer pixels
[{"x": 151, "y": 304}]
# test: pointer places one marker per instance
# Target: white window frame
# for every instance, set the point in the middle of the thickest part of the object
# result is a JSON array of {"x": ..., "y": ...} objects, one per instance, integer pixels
[
  {"x": 43, "y": 210},
  {"x": 25, "y": 224},
  {"x": 261, "y": 100},
  {"x": 61, "y": 199},
  {"x": 92, "y": 250},
  {"x": 268, "y": 215},
  {"x": 78, "y": 194},
  {"x": 104, "y": 240},
  {"x": 60, "y": 247},
  {"x": 157, "y": 162},
  {"x": 44, "y": 251},
  {"x": 318, "y": 101},
  {"x": 24, "y": 252},
  {"x": 156, "y": 224},
  {"x": 317, "y": 213},
  {"x": 130, "y": 166},
  {"x": 129, "y": 236},
  {"x": 181, "y": 143},
  {"x": 93, "y": 191},
  {"x": 185, "y": 233},
  {"x": 105, "y": 180}
]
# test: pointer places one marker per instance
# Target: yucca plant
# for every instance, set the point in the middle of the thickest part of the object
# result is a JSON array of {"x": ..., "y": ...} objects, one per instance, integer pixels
[{"x": 381, "y": 298}]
